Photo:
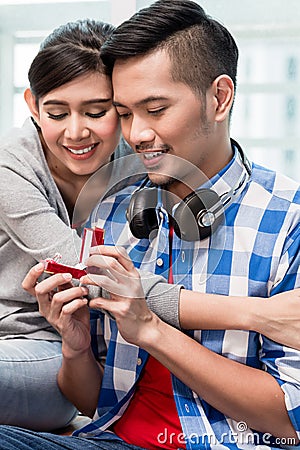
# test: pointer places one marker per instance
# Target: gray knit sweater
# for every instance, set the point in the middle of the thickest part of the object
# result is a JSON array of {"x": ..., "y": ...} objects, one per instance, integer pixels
[{"x": 34, "y": 225}]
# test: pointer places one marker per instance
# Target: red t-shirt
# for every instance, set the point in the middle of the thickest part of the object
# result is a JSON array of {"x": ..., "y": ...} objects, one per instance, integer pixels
[{"x": 151, "y": 420}]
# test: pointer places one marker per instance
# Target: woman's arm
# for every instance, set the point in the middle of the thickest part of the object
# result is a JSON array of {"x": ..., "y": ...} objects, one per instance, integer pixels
[
  {"x": 80, "y": 375},
  {"x": 37, "y": 225},
  {"x": 277, "y": 317}
]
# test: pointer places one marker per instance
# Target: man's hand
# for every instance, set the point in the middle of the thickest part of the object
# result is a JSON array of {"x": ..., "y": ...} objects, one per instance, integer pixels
[
  {"x": 112, "y": 269},
  {"x": 276, "y": 317}
]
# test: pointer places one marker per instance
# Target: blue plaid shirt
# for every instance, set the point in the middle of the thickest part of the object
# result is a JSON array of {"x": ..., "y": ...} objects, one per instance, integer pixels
[{"x": 254, "y": 253}]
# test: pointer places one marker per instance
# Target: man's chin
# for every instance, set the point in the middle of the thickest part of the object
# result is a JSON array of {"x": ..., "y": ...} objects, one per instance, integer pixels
[{"x": 159, "y": 179}]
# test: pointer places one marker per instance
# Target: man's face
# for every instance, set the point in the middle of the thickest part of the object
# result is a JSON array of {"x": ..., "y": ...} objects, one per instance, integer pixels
[{"x": 162, "y": 118}]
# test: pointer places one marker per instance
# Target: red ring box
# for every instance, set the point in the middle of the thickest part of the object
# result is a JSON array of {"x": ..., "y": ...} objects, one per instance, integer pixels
[{"x": 91, "y": 237}]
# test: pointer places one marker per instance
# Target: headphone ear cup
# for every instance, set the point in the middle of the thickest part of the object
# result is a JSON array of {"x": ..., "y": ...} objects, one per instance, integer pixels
[
  {"x": 141, "y": 213},
  {"x": 190, "y": 212}
]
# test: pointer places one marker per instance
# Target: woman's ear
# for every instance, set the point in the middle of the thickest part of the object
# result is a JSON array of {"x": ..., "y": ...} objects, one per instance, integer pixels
[
  {"x": 30, "y": 99},
  {"x": 223, "y": 89}
]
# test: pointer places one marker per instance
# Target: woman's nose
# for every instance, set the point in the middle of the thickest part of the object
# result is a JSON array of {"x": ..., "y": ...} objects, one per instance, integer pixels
[{"x": 77, "y": 129}]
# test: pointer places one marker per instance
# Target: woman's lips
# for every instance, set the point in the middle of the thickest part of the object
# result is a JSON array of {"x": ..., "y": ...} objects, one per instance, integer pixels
[{"x": 81, "y": 153}]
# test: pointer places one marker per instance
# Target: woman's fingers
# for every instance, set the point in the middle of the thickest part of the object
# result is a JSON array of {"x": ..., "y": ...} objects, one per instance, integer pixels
[
  {"x": 53, "y": 303},
  {"x": 30, "y": 281},
  {"x": 32, "y": 277},
  {"x": 111, "y": 268},
  {"x": 53, "y": 282},
  {"x": 53, "y": 292}
]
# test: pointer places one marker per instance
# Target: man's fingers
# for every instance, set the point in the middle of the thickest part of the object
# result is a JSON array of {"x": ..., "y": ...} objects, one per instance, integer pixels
[
  {"x": 111, "y": 267},
  {"x": 116, "y": 252},
  {"x": 105, "y": 262},
  {"x": 101, "y": 281},
  {"x": 102, "y": 303}
]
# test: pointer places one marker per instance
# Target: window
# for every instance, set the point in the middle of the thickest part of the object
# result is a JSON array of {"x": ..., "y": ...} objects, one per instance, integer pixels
[
  {"x": 266, "y": 114},
  {"x": 25, "y": 50}
]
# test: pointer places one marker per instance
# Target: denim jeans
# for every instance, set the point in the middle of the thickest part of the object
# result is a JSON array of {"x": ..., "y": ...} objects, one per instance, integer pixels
[
  {"x": 29, "y": 395},
  {"x": 12, "y": 438}
]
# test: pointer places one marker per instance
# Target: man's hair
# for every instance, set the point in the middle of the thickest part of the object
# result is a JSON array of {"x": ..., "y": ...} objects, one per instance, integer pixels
[{"x": 199, "y": 47}]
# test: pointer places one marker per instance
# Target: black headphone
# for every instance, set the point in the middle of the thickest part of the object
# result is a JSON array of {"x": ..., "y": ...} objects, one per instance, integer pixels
[{"x": 196, "y": 216}]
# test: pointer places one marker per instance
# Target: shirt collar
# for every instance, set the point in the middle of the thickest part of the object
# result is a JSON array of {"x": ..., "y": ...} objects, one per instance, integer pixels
[
  {"x": 227, "y": 183},
  {"x": 236, "y": 173}
]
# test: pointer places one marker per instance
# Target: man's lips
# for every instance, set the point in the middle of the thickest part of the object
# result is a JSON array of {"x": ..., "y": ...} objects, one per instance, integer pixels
[
  {"x": 150, "y": 153},
  {"x": 151, "y": 158}
]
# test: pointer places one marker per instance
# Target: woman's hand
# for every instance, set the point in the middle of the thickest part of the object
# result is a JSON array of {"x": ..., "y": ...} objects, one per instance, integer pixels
[
  {"x": 278, "y": 317},
  {"x": 112, "y": 269},
  {"x": 63, "y": 306}
]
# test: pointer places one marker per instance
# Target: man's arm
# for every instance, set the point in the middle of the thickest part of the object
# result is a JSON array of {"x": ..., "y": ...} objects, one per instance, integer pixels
[{"x": 238, "y": 391}]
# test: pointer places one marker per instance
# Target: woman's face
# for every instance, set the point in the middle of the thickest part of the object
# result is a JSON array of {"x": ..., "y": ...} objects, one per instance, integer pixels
[{"x": 79, "y": 124}]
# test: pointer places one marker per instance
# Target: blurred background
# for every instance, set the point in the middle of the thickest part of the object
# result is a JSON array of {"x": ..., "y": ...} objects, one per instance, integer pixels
[{"x": 266, "y": 115}]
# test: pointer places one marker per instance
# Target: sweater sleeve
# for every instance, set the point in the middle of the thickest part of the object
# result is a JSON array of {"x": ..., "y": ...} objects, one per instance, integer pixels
[
  {"x": 33, "y": 216},
  {"x": 162, "y": 298}
]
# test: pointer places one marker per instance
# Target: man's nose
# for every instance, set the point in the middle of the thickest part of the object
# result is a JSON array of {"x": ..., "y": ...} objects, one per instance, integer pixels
[{"x": 140, "y": 131}]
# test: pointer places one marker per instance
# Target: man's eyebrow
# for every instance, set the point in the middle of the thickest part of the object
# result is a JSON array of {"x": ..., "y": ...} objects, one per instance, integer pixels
[
  {"x": 144, "y": 101},
  {"x": 86, "y": 102}
]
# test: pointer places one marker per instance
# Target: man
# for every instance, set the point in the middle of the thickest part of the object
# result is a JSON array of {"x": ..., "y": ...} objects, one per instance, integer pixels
[{"x": 174, "y": 72}]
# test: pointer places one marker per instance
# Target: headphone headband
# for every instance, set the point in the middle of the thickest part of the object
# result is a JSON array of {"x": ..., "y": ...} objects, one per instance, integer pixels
[{"x": 195, "y": 217}]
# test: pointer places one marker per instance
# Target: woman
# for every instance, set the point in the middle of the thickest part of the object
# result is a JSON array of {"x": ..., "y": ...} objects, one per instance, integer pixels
[{"x": 72, "y": 132}]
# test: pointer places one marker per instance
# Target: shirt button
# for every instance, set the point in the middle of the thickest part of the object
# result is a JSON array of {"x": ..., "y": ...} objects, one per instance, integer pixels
[
  {"x": 187, "y": 408},
  {"x": 160, "y": 262},
  {"x": 139, "y": 362}
]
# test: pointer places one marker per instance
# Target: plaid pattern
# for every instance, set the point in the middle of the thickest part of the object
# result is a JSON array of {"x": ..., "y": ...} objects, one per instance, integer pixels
[{"x": 255, "y": 253}]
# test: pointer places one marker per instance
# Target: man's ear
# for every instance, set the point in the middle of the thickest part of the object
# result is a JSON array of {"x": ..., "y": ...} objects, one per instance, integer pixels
[
  {"x": 223, "y": 91},
  {"x": 30, "y": 99}
]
